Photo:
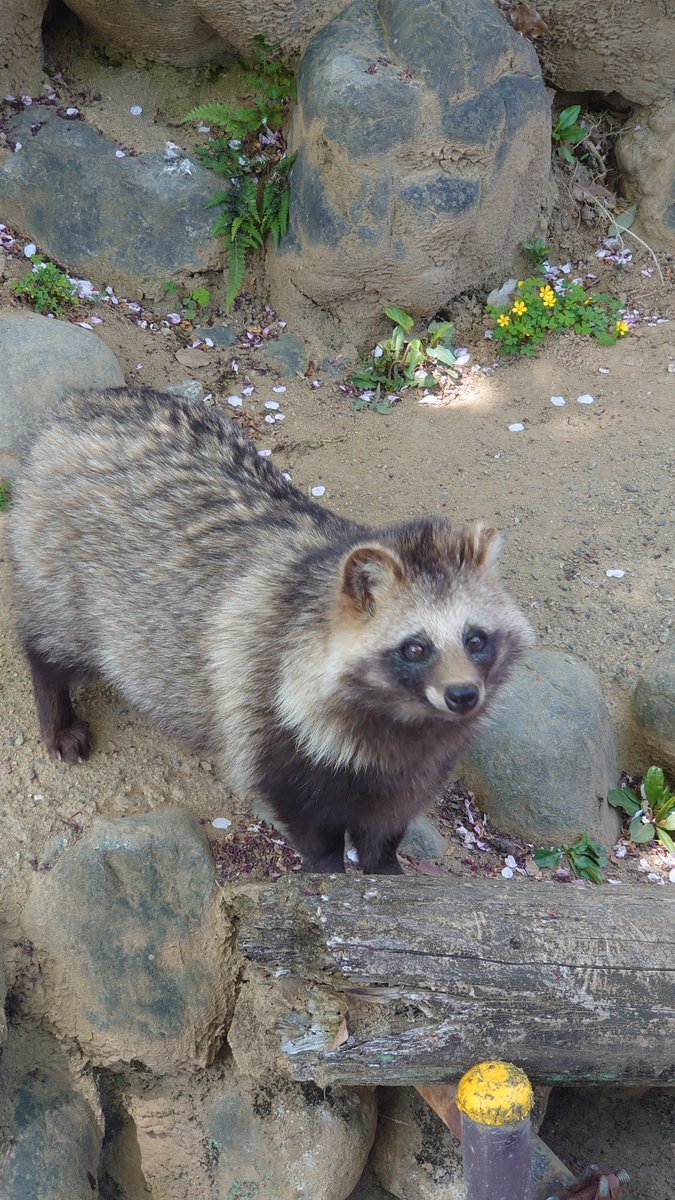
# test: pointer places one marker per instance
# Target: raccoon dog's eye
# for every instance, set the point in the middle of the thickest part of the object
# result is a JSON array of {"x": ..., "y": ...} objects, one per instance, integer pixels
[
  {"x": 414, "y": 651},
  {"x": 475, "y": 641}
]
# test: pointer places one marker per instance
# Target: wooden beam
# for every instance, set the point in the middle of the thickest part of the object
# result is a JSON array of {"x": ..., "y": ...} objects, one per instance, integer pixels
[{"x": 412, "y": 980}]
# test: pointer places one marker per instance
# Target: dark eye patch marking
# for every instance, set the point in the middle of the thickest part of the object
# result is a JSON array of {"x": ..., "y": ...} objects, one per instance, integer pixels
[
  {"x": 481, "y": 646},
  {"x": 409, "y": 662}
]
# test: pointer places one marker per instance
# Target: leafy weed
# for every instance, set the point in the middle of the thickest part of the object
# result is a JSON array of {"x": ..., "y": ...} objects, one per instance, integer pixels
[
  {"x": 587, "y": 858},
  {"x": 652, "y": 812}
]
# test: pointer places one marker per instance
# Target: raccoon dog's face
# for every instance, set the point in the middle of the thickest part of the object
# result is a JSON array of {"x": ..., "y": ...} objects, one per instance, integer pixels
[{"x": 427, "y": 629}]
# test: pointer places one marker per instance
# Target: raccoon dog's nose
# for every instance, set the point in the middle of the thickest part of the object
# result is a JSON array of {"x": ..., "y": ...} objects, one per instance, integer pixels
[{"x": 461, "y": 698}]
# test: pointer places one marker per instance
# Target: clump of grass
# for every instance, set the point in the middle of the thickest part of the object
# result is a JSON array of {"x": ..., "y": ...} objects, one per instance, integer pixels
[
  {"x": 5, "y": 494},
  {"x": 46, "y": 287}
]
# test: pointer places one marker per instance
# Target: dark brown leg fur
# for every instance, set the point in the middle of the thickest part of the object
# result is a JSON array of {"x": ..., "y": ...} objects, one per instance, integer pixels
[
  {"x": 65, "y": 735},
  {"x": 377, "y": 855}
]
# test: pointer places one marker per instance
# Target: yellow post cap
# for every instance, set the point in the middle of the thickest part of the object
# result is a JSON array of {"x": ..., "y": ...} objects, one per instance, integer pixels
[{"x": 495, "y": 1093}]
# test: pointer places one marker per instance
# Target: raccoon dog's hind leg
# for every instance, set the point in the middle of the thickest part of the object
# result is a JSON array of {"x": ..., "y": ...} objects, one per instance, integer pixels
[{"x": 65, "y": 735}]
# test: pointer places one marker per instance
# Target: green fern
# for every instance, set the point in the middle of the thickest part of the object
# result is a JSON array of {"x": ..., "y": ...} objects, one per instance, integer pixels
[
  {"x": 276, "y": 200},
  {"x": 258, "y": 202}
]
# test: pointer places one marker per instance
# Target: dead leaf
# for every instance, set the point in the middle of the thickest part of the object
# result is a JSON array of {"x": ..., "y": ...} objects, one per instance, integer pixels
[
  {"x": 341, "y": 1036},
  {"x": 192, "y": 358},
  {"x": 426, "y": 867}
]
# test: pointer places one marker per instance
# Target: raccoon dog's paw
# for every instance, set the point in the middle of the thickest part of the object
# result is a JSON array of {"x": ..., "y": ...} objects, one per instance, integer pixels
[{"x": 71, "y": 745}]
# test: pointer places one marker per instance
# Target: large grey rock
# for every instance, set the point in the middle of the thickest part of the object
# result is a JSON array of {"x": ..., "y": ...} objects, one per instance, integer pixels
[
  {"x": 55, "y": 1137},
  {"x": 646, "y": 155},
  {"x": 632, "y": 53},
  {"x": 131, "y": 222},
  {"x": 543, "y": 764},
  {"x": 42, "y": 359},
  {"x": 217, "y": 1134},
  {"x": 134, "y": 950},
  {"x": 423, "y": 139},
  {"x": 654, "y": 709},
  {"x": 415, "y": 1157},
  {"x": 190, "y": 32}
]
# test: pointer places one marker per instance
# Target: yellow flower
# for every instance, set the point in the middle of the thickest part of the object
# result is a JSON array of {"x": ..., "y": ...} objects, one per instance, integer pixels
[
  {"x": 622, "y": 328},
  {"x": 503, "y": 320},
  {"x": 519, "y": 308},
  {"x": 548, "y": 296},
  {"x": 521, "y": 283}
]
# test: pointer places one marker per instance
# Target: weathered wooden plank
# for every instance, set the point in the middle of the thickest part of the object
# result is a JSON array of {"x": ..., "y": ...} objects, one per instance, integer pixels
[{"x": 574, "y": 985}]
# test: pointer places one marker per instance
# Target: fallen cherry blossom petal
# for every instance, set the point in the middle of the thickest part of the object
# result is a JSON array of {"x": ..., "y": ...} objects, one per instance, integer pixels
[
  {"x": 72, "y": 112},
  {"x": 279, "y": 389},
  {"x": 248, "y": 391},
  {"x": 264, "y": 453},
  {"x": 221, "y": 823},
  {"x": 280, "y": 416},
  {"x": 17, "y": 146},
  {"x": 135, "y": 110},
  {"x": 604, "y": 370},
  {"x": 235, "y": 401},
  {"x": 671, "y": 875},
  {"x": 139, "y": 366},
  {"x": 615, "y": 573},
  {"x": 203, "y": 129},
  {"x": 269, "y": 419},
  {"x": 96, "y": 320},
  {"x": 30, "y": 250},
  {"x": 84, "y": 324},
  {"x": 516, "y": 427},
  {"x": 353, "y": 855},
  {"x": 586, "y": 398},
  {"x": 274, "y": 404},
  {"x": 319, "y": 490},
  {"x": 120, "y": 154},
  {"x": 287, "y": 476},
  {"x": 462, "y": 357},
  {"x": 558, "y": 401},
  {"x": 507, "y": 873}
]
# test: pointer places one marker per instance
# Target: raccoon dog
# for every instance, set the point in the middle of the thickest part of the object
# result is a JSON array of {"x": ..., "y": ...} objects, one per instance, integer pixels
[{"x": 335, "y": 670}]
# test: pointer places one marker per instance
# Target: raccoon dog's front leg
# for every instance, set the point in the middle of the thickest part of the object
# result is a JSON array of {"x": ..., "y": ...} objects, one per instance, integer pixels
[
  {"x": 377, "y": 851},
  {"x": 322, "y": 848}
]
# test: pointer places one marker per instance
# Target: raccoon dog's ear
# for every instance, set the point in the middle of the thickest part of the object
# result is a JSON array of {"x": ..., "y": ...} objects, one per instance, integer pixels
[
  {"x": 479, "y": 546},
  {"x": 367, "y": 573}
]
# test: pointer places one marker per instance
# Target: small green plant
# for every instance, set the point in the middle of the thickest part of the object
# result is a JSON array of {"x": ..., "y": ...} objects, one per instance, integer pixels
[
  {"x": 404, "y": 361},
  {"x": 566, "y": 133},
  {"x": 538, "y": 309},
  {"x": 46, "y": 287},
  {"x": 587, "y": 858},
  {"x": 652, "y": 813},
  {"x": 192, "y": 305},
  {"x": 537, "y": 251},
  {"x": 5, "y": 494},
  {"x": 251, "y": 154}
]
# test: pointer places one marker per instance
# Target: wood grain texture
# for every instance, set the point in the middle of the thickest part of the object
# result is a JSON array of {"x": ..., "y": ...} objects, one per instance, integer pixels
[{"x": 575, "y": 985}]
